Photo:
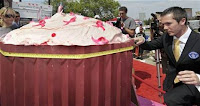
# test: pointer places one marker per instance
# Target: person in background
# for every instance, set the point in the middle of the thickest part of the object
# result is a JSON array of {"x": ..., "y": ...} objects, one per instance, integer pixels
[
  {"x": 16, "y": 22},
  {"x": 162, "y": 55},
  {"x": 7, "y": 16},
  {"x": 137, "y": 30},
  {"x": 128, "y": 24},
  {"x": 141, "y": 33},
  {"x": 181, "y": 45}
]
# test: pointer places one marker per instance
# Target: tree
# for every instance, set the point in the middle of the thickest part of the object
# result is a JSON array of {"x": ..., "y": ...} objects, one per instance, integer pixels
[
  {"x": 147, "y": 22},
  {"x": 106, "y": 9}
]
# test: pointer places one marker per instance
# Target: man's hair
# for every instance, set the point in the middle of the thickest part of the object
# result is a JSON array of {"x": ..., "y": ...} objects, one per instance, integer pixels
[
  {"x": 159, "y": 13},
  {"x": 123, "y": 8},
  {"x": 178, "y": 13},
  {"x": 16, "y": 12}
]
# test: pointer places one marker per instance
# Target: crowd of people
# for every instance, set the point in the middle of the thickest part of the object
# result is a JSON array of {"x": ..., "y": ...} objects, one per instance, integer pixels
[{"x": 182, "y": 82}]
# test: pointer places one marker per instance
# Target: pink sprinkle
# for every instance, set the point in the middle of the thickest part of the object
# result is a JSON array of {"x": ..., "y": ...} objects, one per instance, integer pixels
[
  {"x": 45, "y": 43},
  {"x": 85, "y": 18},
  {"x": 53, "y": 34},
  {"x": 72, "y": 14},
  {"x": 46, "y": 18}
]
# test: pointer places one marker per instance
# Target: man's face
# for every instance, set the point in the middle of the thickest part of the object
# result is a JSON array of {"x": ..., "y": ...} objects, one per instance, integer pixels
[
  {"x": 122, "y": 14},
  {"x": 17, "y": 17},
  {"x": 141, "y": 29},
  {"x": 172, "y": 26}
]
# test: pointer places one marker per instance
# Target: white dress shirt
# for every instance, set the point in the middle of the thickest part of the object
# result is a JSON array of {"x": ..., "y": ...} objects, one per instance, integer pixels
[{"x": 183, "y": 39}]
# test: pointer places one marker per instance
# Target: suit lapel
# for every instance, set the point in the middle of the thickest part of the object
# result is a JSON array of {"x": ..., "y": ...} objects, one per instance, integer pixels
[
  {"x": 188, "y": 46},
  {"x": 170, "y": 52}
]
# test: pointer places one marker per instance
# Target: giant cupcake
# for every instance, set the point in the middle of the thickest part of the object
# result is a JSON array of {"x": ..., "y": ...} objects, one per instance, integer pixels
[{"x": 66, "y": 60}]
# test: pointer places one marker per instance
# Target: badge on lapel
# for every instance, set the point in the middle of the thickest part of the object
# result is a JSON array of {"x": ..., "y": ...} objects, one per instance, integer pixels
[{"x": 193, "y": 55}]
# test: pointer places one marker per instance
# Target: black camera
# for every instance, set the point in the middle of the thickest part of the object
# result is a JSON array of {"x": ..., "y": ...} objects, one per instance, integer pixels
[
  {"x": 117, "y": 23},
  {"x": 155, "y": 26}
]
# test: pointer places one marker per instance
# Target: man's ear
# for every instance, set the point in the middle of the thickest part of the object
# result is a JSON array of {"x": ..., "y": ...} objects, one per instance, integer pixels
[{"x": 183, "y": 21}]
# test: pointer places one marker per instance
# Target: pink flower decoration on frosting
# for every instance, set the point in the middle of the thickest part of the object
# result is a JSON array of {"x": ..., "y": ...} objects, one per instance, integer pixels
[
  {"x": 41, "y": 23},
  {"x": 100, "y": 24},
  {"x": 71, "y": 20},
  {"x": 100, "y": 41}
]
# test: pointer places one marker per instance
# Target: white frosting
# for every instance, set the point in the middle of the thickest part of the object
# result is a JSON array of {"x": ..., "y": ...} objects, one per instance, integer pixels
[{"x": 81, "y": 31}]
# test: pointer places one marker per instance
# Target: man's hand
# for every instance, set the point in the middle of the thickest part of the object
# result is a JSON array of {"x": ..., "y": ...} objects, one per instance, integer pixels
[
  {"x": 188, "y": 77},
  {"x": 139, "y": 40}
]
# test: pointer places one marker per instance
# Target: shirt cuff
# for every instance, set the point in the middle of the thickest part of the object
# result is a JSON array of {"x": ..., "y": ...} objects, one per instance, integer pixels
[{"x": 198, "y": 86}]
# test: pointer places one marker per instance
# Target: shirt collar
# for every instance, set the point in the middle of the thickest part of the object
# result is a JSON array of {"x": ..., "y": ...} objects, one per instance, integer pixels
[{"x": 185, "y": 36}]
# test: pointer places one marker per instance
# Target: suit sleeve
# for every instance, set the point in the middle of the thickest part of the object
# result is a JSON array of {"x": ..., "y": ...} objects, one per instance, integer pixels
[{"x": 154, "y": 44}]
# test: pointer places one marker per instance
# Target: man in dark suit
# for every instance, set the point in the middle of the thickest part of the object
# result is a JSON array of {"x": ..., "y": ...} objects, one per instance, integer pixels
[{"x": 182, "y": 82}]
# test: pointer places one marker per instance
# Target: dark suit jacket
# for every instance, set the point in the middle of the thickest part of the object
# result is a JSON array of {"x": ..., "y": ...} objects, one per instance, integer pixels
[{"x": 185, "y": 61}]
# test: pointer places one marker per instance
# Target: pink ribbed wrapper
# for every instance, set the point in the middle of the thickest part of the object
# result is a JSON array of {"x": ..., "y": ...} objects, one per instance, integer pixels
[{"x": 98, "y": 81}]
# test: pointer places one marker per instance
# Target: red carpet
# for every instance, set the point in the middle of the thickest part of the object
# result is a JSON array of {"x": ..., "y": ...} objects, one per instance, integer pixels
[{"x": 148, "y": 73}]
